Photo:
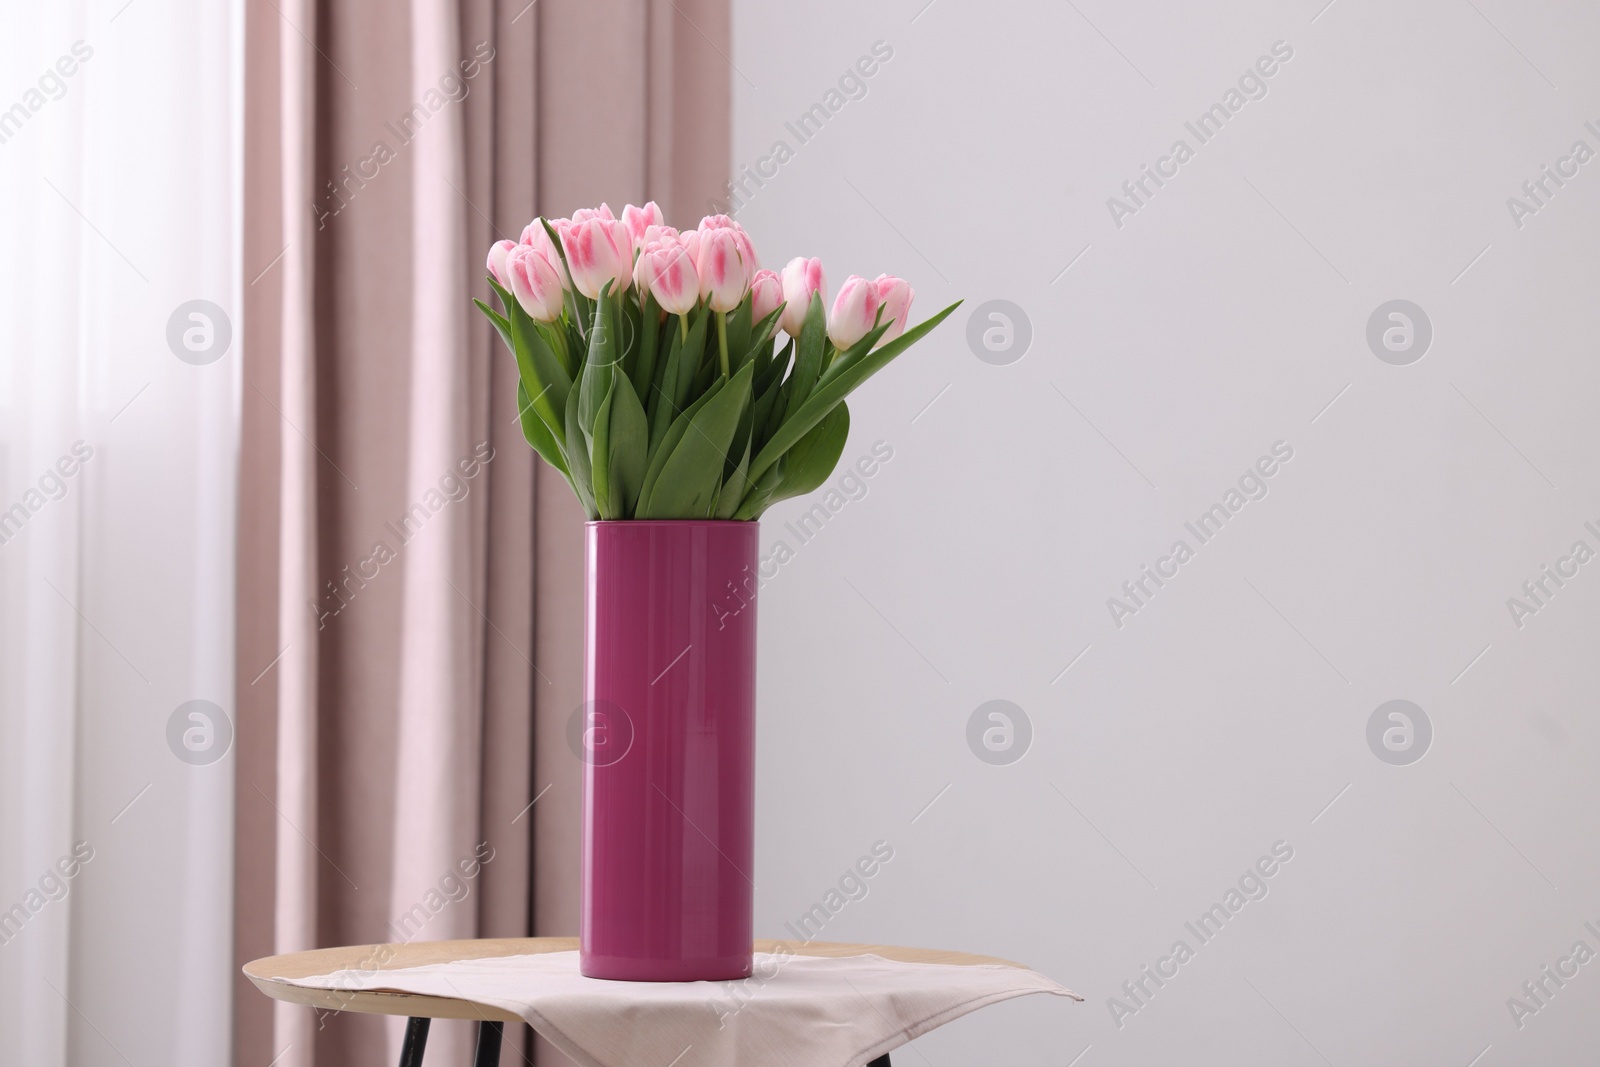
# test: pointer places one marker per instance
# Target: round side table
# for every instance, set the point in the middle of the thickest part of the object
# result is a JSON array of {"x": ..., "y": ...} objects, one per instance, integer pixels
[{"x": 420, "y": 1010}]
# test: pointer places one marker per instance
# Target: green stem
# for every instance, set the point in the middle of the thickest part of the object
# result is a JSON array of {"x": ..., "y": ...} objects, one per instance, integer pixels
[
  {"x": 722, "y": 341},
  {"x": 683, "y": 328}
]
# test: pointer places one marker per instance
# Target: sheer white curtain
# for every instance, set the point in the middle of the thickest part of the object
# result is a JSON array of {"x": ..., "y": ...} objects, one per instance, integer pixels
[{"x": 119, "y": 193}]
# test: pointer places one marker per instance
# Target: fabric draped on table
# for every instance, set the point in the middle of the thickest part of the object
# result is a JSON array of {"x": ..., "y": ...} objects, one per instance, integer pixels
[
  {"x": 409, "y": 581},
  {"x": 793, "y": 1011}
]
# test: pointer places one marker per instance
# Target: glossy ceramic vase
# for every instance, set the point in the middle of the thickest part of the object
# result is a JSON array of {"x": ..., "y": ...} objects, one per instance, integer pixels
[{"x": 668, "y": 743}]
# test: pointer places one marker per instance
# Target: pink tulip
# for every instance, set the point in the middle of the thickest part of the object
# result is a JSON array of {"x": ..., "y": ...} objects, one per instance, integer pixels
[
  {"x": 654, "y": 234},
  {"x": 747, "y": 248},
  {"x": 536, "y": 235},
  {"x": 690, "y": 240},
  {"x": 658, "y": 232},
  {"x": 895, "y": 294},
  {"x": 497, "y": 260},
  {"x": 535, "y": 283},
  {"x": 598, "y": 251},
  {"x": 667, "y": 271},
  {"x": 655, "y": 237},
  {"x": 766, "y": 293},
  {"x": 855, "y": 311},
  {"x": 640, "y": 219},
  {"x": 584, "y": 214},
  {"x": 801, "y": 278},
  {"x": 724, "y": 272}
]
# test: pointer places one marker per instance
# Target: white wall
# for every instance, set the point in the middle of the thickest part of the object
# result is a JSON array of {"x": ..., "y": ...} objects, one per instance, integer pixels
[{"x": 1223, "y": 316}]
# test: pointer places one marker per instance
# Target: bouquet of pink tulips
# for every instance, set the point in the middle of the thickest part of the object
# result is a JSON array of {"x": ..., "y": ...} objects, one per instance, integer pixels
[{"x": 651, "y": 375}]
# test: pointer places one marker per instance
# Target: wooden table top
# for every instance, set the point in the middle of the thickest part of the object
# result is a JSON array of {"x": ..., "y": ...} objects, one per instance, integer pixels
[{"x": 267, "y": 971}]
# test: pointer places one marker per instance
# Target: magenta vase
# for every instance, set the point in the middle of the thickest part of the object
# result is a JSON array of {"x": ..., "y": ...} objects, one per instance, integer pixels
[{"x": 668, "y": 741}]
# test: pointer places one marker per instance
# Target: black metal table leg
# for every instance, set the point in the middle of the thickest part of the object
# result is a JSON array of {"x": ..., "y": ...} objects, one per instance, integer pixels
[
  {"x": 489, "y": 1035},
  {"x": 415, "y": 1043}
]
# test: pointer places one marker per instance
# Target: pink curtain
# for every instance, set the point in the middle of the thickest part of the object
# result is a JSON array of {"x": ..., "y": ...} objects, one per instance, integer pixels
[{"x": 410, "y": 586}]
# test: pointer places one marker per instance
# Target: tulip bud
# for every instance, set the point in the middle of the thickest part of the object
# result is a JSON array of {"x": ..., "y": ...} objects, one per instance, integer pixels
[
  {"x": 653, "y": 234},
  {"x": 724, "y": 273},
  {"x": 638, "y": 220},
  {"x": 497, "y": 260},
  {"x": 690, "y": 240},
  {"x": 585, "y": 214},
  {"x": 598, "y": 251},
  {"x": 658, "y": 232},
  {"x": 536, "y": 235},
  {"x": 535, "y": 283},
  {"x": 801, "y": 278},
  {"x": 766, "y": 293},
  {"x": 855, "y": 311},
  {"x": 747, "y": 248},
  {"x": 895, "y": 295},
  {"x": 667, "y": 271}
]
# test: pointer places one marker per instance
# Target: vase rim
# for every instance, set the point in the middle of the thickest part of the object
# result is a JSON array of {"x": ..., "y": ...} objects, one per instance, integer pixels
[{"x": 672, "y": 522}]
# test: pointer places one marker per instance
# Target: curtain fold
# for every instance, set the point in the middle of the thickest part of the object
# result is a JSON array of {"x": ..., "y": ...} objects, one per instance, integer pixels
[
  {"x": 297, "y": 794},
  {"x": 410, "y": 584},
  {"x": 440, "y": 724}
]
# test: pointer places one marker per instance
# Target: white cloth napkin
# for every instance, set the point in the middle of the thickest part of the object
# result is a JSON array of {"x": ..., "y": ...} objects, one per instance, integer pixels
[{"x": 795, "y": 1011}]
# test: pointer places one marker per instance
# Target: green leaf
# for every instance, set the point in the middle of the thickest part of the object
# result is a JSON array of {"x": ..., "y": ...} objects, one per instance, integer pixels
[
  {"x": 628, "y": 323},
  {"x": 502, "y": 325},
  {"x": 575, "y": 344},
  {"x": 739, "y": 334},
  {"x": 628, "y": 435},
  {"x": 545, "y": 437},
  {"x": 739, "y": 449},
  {"x": 662, "y": 398},
  {"x": 604, "y": 351},
  {"x": 555, "y": 336},
  {"x": 659, "y": 454},
  {"x": 732, "y": 492},
  {"x": 761, "y": 412},
  {"x": 709, "y": 371},
  {"x": 780, "y": 408},
  {"x": 644, "y": 369},
  {"x": 578, "y": 458},
  {"x": 671, "y": 337},
  {"x": 540, "y": 367},
  {"x": 555, "y": 333},
  {"x": 773, "y": 373},
  {"x": 506, "y": 299},
  {"x": 689, "y": 480},
  {"x": 606, "y": 496},
  {"x": 695, "y": 363},
  {"x": 843, "y": 361},
  {"x": 808, "y": 353},
  {"x": 540, "y": 352},
  {"x": 805, "y": 467},
  {"x": 829, "y": 393},
  {"x": 761, "y": 339},
  {"x": 764, "y": 362},
  {"x": 539, "y": 435},
  {"x": 759, "y": 493}
]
